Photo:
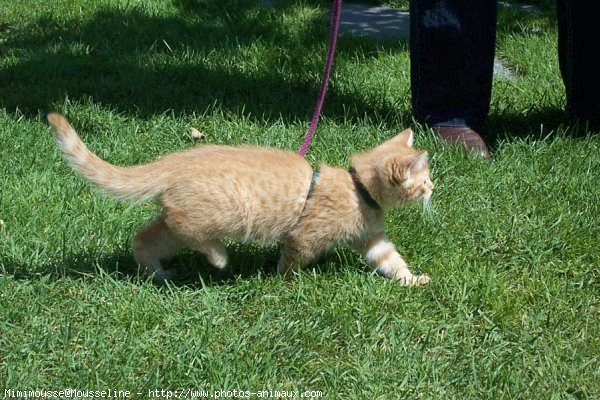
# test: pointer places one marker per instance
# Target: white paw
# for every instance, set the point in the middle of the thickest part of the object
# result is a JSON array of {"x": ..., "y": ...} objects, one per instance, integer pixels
[
  {"x": 218, "y": 261},
  {"x": 413, "y": 280}
]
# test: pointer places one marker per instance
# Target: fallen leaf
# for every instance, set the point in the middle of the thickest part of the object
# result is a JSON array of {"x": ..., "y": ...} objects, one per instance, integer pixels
[{"x": 196, "y": 134}]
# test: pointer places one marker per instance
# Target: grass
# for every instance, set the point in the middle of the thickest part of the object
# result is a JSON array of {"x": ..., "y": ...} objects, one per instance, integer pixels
[{"x": 512, "y": 247}]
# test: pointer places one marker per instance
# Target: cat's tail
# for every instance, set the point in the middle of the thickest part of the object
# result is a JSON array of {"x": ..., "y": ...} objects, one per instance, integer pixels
[{"x": 137, "y": 183}]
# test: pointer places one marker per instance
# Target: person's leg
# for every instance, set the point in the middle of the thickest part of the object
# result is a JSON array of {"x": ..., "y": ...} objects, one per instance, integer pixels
[
  {"x": 579, "y": 59},
  {"x": 452, "y": 46}
]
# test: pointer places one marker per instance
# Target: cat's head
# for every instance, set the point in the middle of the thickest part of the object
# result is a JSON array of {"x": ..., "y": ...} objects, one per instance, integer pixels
[{"x": 394, "y": 172}]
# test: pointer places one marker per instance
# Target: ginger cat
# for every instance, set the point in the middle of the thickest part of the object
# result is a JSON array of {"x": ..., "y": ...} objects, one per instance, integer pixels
[{"x": 262, "y": 194}]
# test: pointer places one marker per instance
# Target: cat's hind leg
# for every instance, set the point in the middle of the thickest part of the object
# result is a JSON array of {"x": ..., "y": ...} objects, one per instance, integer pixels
[
  {"x": 152, "y": 244},
  {"x": 212, "y": 249},
  {"x": 199, "y": 234}
]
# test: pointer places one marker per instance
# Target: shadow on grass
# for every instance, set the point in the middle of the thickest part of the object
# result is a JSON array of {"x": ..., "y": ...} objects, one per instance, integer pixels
[
  {"x": 511, "y": 126},
  {"x": 535, "y": 125},
  {"x": 193, "y": 270},
  {"x": 143, "y": 63},
  {"x": 227, "y": 56}
]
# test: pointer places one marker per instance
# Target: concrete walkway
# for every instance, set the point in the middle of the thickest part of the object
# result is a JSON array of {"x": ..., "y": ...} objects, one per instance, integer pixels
[{"x": 376, "y": 22}]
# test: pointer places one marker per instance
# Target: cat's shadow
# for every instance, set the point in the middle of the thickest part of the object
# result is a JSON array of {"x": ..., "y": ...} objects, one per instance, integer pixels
[{"x": 193, "y": 270}]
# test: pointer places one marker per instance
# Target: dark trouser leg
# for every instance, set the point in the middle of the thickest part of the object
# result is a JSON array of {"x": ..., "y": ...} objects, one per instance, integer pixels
[
  {"x": 579, "y": 58},
  {"x": 452, "y": 60}
]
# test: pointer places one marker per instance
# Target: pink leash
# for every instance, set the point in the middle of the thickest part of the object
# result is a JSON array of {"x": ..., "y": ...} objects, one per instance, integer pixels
[{"x": 335, "y": 24}]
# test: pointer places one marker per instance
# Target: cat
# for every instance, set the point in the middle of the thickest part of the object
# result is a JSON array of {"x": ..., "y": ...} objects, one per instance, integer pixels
[{"x": 212, "y": 192}]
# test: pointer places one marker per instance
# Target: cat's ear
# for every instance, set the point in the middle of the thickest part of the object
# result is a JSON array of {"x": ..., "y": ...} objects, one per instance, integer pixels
[
  {"x": 419, "y": 161},
  {"x": 406, "y": 137},
  {"x": 401, "y": 168}
]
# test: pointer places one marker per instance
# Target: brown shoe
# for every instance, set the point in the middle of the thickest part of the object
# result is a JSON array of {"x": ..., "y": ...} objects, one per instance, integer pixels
[{"x": 467, "y": 137}]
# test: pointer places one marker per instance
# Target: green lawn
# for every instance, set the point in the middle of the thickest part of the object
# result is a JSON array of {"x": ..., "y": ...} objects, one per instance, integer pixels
[{"x": 512, "y": 246}]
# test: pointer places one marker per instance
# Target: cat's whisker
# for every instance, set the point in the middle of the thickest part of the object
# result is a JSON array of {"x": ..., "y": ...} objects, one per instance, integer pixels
[{"x": 427, "y": 207}]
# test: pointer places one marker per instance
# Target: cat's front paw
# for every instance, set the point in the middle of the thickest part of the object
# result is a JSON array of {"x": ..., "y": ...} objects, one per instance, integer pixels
[{"x": 413, "y": 280}]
